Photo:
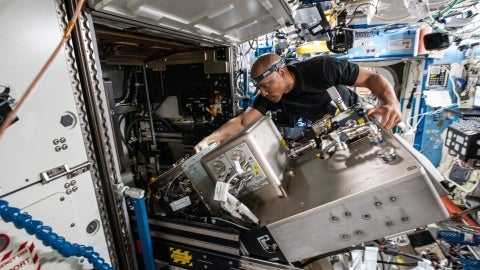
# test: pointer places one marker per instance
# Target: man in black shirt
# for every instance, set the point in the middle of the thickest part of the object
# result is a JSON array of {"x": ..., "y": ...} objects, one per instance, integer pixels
[{"x": 300, "y": 89}]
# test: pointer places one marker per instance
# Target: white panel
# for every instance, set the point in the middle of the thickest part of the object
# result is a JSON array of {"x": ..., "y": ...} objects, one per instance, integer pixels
[
  {"x": 30, "y": 31},
  {"x": 67, "y": 212}
]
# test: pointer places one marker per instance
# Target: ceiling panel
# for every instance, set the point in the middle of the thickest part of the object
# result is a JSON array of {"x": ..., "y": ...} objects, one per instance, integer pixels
[{"x": 225, "y": 21}]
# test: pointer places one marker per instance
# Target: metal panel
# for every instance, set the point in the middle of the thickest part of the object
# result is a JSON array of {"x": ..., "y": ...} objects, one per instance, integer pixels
[
  {"x": 228, "y": 21},
  {"x": 350, "y": 198},
  {"x": 68, "y": 206},
  {"x": 26, "y": 151},
  {"x": 258, "y": 150},
  {"x": 48, "y": 138}
]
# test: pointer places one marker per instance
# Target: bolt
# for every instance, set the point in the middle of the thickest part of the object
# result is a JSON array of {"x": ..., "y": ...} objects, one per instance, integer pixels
[
  {"x": 58, "y": 148},
  {"x": 358, "y": 233},
  {"x": 344, "y": 236},
  {"x": 63, "y": 139},
  {"x": 366, "y": 216},
  {"x": 66, "y": 120}
]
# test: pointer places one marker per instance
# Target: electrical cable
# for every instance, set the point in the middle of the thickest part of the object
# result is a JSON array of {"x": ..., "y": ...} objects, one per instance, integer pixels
[
  {"x": 49, "y": 238},
  {"x": 383, "y": 249},
  {"x": 316, "y": 258}
]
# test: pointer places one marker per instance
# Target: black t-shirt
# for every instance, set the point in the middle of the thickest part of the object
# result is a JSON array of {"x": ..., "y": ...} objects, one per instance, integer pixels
[{"x": 309, "y": 97}]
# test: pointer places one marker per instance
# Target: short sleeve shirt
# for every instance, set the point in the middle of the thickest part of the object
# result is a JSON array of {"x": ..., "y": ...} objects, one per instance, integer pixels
[{"x": 309, "y": 97}]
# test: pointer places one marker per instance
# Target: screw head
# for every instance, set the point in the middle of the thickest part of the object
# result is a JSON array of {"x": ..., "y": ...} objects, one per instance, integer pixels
[{"x": 66, "y": 120}]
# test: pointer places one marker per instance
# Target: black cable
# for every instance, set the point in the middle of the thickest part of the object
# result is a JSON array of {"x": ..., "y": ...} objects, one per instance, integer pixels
[
  {"x": 321, "y": 256},
  {"x": 354, "y": 11},
  {"x": 381, "y": 261}
]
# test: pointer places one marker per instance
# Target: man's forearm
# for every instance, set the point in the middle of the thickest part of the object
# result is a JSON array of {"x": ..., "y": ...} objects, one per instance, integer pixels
[
  {"x": 383, "y": 90},
  {"x": 231, "y": 127}
]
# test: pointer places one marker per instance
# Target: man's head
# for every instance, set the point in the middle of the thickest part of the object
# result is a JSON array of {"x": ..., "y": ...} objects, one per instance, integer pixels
[{"x": 271, "y": 76}]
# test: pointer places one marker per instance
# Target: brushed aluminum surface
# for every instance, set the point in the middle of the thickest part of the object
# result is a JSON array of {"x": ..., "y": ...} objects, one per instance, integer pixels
[
  {"x": 350, "y": 198},
  {"x": 261, "y": 144}
]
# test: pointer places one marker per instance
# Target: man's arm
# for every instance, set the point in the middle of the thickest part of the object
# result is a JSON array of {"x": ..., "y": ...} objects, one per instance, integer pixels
[
  {"x": 389, "y": 110},
  {"x": 231, "y": 127}
]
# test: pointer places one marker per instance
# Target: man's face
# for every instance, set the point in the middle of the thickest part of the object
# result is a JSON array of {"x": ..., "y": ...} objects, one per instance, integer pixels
[{"x": 271, "y": 87}]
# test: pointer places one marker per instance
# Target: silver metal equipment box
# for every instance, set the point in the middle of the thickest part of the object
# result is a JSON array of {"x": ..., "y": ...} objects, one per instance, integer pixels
[{"x": 258, "y": 149}]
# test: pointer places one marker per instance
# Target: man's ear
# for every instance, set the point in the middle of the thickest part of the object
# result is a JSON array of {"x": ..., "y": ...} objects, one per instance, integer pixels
[{"x": 282, "y": 70}]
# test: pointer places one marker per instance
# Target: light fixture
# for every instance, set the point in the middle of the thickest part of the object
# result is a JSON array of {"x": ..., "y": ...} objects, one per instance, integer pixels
[
  {"x": 207, "y": 29},
  {"x": 220, "y": 11}
]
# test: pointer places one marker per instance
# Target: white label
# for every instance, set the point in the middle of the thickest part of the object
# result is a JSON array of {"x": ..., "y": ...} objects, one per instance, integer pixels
[
  {"x": 181, "y": 203},
  {"x": 399, "y": 44},
  {"x": 221, "y": 191}
]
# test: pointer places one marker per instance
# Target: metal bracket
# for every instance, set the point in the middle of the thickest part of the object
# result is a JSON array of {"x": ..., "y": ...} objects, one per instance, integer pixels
[{"x": 64, "y": 170}]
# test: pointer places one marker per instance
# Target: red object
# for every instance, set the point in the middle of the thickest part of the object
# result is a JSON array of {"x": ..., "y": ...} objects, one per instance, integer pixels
[{"x": 453, "y": 209}]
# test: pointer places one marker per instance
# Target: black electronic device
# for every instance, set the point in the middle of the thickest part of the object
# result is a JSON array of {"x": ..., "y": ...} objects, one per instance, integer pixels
[
  {"x": 474, "y": 110},
  {"x": 463, "y": 138},
  {"x": 436, "y": 41}
]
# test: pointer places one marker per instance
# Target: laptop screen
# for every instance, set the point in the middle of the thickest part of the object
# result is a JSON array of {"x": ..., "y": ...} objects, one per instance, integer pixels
[{"x": 476, "y": 98}]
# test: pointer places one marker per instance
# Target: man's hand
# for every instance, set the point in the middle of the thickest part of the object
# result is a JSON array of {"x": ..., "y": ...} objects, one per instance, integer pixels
[{"x": 388, "y": 114}]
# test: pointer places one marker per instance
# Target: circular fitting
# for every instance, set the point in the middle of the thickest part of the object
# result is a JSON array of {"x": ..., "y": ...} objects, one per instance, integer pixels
[
  {"x": 334, "y": 219},
  {"x": 359, "y": 233},
  {"x": 93, "y": 226},
  {"x": 345, "y": 237},
  {"x": 387, "y": 154}
]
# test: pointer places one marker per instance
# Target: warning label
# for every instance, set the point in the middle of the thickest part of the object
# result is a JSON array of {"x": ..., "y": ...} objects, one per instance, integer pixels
[
  {"x": 23, "y": 258},
  {"x": 181, "y": 257}
]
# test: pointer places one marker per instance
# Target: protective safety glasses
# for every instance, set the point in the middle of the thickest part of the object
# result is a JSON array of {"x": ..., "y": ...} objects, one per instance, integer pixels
[{"x": 269, "y": 71}]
